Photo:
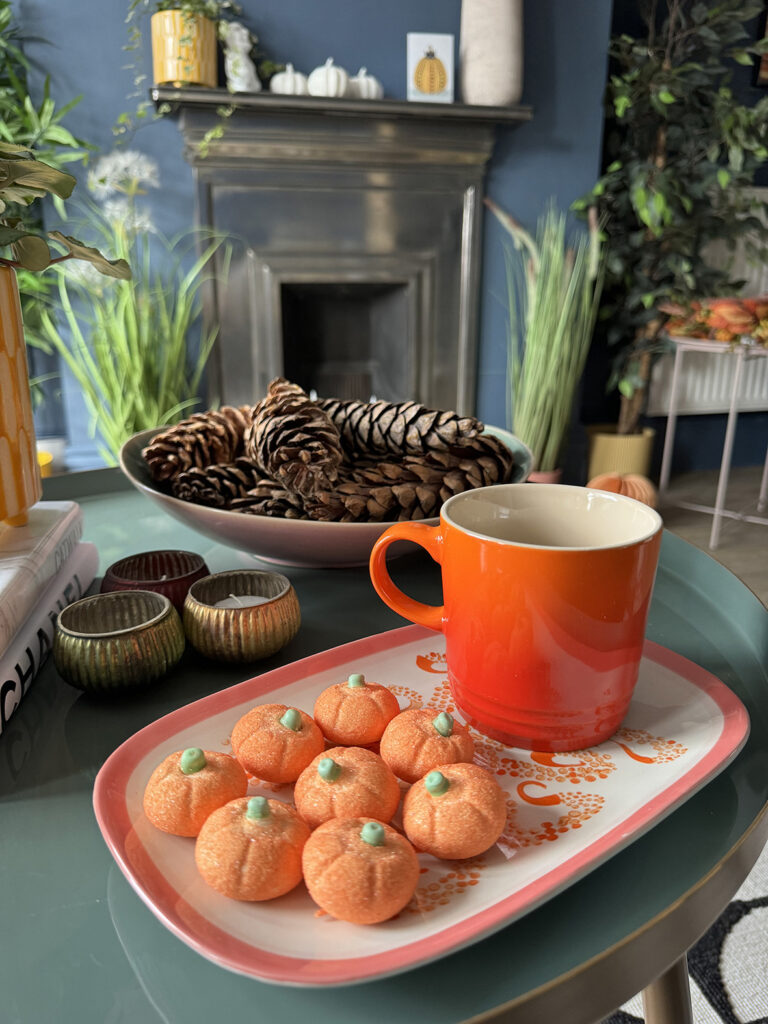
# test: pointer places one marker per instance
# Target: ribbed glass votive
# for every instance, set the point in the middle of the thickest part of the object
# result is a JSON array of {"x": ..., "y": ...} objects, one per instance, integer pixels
[
  {"x": 241, "y": 615},
  {"x": 171, "y": 573},
  {"x": 118, "y": 640}
]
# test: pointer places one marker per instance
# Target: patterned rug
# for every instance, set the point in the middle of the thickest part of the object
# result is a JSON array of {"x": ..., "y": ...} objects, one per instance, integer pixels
[{"x": 729, "y": 965}]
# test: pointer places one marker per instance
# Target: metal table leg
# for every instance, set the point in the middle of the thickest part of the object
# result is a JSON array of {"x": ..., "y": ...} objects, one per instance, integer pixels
[
  {"x": 668, "y": 999},
  {"x": 761, "y": 500},
  {"x": 725, "y": 463},
  {"x": 669, "y": 436}
]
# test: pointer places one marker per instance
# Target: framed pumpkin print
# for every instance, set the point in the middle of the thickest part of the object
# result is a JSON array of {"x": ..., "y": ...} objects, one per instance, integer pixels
[{"x": 430, "y": 65}]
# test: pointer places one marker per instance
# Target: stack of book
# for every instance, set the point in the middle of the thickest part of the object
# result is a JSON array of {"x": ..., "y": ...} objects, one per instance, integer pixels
[{"x": 44, "y": 566}]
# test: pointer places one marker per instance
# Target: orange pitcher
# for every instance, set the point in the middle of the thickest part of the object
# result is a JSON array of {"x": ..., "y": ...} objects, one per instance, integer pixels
[{"x": 546, "y": 590}]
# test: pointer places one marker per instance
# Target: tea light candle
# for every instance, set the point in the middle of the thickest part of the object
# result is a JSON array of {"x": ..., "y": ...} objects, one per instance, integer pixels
[{"x": 244, "y": 601}]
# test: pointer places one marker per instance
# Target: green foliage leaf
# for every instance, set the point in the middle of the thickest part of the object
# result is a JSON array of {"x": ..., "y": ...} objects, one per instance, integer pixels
[
  {"x": 666, "y": 96},
  {"x": 110, "y": 268}
]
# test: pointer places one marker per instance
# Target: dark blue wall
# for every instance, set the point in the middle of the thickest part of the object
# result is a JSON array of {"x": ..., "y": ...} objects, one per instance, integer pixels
[{"x": 557, "y": 154}]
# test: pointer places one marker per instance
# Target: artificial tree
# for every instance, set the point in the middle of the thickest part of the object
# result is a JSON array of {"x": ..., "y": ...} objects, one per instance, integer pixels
[{"x": 680, "y": 155}]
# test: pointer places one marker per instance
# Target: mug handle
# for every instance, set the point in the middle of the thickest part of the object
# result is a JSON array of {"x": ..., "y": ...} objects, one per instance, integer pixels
[{"x": 428, "y": 537}]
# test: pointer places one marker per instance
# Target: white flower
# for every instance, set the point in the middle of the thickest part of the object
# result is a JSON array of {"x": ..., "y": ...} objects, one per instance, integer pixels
[
  {"x": 122, "y": 170},
  {"x": 125, "y": 212}
]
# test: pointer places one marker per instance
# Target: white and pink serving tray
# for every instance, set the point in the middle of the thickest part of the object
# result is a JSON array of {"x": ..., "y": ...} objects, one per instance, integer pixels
[{"x": 567, "y": 813}]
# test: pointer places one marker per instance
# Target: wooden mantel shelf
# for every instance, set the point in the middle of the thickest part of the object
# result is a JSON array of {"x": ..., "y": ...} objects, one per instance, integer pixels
[{"x": 272, "y": 103}]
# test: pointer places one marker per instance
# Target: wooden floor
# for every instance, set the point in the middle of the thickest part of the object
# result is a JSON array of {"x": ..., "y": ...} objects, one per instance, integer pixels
[{"x": 743, "y": 547}]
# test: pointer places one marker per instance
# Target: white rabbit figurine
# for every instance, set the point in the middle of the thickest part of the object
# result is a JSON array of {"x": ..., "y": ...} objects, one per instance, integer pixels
[{"x": 238, "y": 66}]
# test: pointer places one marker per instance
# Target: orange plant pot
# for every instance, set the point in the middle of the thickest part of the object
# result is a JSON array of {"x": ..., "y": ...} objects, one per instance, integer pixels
[
  {"x": 20, "y": 483},
  {"x": 183, "y": 49}
]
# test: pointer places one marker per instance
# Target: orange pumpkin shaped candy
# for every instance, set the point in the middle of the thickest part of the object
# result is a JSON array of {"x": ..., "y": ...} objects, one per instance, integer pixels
[
  {"x": 276, "y": 743},
  {"x": 359, "y": 869},
  {"x": 417, "y": 740},
  {"x": 454, "y": 812},
  {"x": 250, "y": 849},
  {"x": 346, "y": 782},
  {"x": 355, "y": 713},
  {"x": 188, "y": 785}
]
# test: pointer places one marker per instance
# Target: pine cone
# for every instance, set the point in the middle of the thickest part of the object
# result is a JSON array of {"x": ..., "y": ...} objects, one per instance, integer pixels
[
  {"x": 204, "y": 439},
  {"x": 360, "y": 502},
  {"x": 216, "y": 486},
  {"x": 294, "y": 441},
  {"x": 405, "y": 427},
  {"x": 268, "y": 498}
]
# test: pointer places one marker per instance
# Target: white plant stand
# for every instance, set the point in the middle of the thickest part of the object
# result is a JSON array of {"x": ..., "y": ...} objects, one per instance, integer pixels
[{"x": 747, "y": 349}]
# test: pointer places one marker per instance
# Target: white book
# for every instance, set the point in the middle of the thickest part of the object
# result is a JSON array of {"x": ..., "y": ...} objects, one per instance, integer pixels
[
  {"x": 30, "y": 556},
  {"x": 33, "y": 641}
]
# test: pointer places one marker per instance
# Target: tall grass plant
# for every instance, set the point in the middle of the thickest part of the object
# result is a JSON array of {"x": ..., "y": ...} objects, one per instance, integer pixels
[
  {"x": 554, "y": 285},
  {"x": 135, "y": 348}
]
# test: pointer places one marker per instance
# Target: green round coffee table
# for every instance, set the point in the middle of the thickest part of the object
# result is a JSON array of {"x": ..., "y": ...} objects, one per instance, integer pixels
[{"x": 80, "y": 944}]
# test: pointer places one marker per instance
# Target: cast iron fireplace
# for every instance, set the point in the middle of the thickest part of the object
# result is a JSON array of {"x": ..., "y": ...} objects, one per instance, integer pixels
[{"x": 357, "y": 228}]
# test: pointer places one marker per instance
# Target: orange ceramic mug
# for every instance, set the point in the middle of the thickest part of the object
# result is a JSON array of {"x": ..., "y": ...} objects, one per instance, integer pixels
[{"x": 546, "y": 591}]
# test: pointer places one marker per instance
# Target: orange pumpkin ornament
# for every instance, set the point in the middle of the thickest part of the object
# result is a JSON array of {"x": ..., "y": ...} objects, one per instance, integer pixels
[
  {"x": 359, "y": 869},
  {"x": 355, "y": 713},
  {"x": 276, "y": 743},
  {"x": 346, "y": 782},
  {"x": 188, "y": 785},
  {"x": 430, "y": 75},
  {"x": 417, "y": 740},
  {"x": 454, "y": 812},
  {"x": 250, "y": 849},
  {"x": 633, "y": 485}
]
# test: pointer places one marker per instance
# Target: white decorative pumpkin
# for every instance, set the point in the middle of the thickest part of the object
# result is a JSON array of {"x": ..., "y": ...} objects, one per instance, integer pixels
[
  {"x": 364, "y": 86},
  {"x": 289, "y": 82},
  {"x": 328, "y": 80}
]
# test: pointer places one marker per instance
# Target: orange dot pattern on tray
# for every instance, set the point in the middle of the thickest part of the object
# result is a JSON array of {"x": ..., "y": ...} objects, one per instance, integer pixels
[
  {"x": 346, "y": 782},
  {"x": 250, "y": 849},
  {"x": 276, "y": 743},
  {"x": 360, "y": 870},
  {"x": 580, "y": 808},
  {"x": 355, "y": 712},
  {"x": 183, "y": 790},
  {"x": 446, "y": 886}
]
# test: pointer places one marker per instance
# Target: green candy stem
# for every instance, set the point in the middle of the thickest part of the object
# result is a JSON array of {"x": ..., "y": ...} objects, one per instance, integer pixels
[
  {"x": 258, "y": 809},
  {"x": 443, "y": 723},
  {"x": 192, "y": 760},
  {"x": 436, "y": 784},
  {"x": 356, "y": 679},
  {"x": 328, "y": 769},
  {"x": 372, "y": 833},
  {"x": 291, "y": 719}
]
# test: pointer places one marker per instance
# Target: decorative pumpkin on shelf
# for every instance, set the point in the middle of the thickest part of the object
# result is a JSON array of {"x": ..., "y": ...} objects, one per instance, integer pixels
[
  {"x": 364, "y": 86},
  {"x": 430, "y": 75},
  {"x": 289, "y": 82},
  {"x": 328, "y": 80},
  {"x": 632, "y": 485}
]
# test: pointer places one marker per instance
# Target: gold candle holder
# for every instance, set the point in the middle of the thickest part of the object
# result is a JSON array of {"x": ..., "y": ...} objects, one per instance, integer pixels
[
  {"x": 242, "y": 615},
  {"x": 118, "y": 640}
]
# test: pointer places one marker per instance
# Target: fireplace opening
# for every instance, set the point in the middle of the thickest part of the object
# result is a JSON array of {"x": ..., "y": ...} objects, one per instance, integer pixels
[{"x": 349, "y": 340}]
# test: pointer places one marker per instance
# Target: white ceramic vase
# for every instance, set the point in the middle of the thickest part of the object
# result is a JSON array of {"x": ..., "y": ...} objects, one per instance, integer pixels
[{"x": 491, "y": 52}]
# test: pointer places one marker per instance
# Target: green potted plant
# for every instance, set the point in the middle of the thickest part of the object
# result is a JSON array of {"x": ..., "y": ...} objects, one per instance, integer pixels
[
  {"x": 553, "y": 286},
  {"x": 680, "y": 155},
  {"x": 24, "y": 179},
  {"x": 129, "y": 344}
]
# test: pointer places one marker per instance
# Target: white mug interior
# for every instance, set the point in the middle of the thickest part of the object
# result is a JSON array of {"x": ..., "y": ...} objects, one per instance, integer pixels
[{"x": 552, "y": 516}]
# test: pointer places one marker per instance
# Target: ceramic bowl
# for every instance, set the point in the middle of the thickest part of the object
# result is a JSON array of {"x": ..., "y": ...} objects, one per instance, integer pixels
[
  {"x": 171, "y": 573},
  {"x": 294, "y": 542},
  {"x": 241, "y": 634},
  {"x": 119, "y": 640}
]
